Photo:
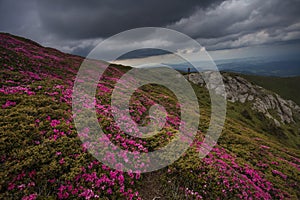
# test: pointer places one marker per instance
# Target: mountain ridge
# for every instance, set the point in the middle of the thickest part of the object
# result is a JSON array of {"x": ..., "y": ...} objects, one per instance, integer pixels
[{"x": 42, "y": 156}]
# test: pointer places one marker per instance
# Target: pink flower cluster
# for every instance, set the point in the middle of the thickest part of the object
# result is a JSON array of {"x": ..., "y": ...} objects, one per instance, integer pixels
[
  {"x": 105, "y": 183},
  {"x": 191, "y": 193},
  {"x": 275, "y": 172},
  {"x": 54, "y": 123},
  {"x": 8, "y": 103},
  {"x": 245, "y": 180},
  {"x": 16, "y": 90},
  {"x": 30, "y": 197}
]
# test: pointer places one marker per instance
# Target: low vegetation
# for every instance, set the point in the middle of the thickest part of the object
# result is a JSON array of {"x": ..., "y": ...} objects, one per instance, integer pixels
[{"x": 42, "y": 156}]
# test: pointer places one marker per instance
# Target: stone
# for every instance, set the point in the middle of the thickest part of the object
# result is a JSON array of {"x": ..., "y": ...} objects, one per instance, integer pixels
[{"x": 241, "y": 90}]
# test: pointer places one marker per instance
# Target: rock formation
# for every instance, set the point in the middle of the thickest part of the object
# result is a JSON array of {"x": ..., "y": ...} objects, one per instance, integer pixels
[{"x": 241, "y": 90}]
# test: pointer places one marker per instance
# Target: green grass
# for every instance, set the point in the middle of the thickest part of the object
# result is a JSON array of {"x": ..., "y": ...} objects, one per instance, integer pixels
[
  {"x": 287, "y": 87},
  {"x": 27, "y": 145}
]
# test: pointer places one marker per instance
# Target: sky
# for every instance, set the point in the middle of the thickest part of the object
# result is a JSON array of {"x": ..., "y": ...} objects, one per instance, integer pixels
[{"x": 226, "y": 29}]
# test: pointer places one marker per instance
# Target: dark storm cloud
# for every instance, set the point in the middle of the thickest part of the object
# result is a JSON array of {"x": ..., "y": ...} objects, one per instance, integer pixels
[
  {"x": 77, "y": 26},
  {"x": 90, "y": 19},
  {"x": 17, "y": 16},
  {"x": 238, "y": 23}
]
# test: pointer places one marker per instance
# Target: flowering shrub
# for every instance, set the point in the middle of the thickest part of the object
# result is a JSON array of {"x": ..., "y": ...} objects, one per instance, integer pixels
[
  {"x": 8, "y": 104},
  {"x": 42, "y": 156}
]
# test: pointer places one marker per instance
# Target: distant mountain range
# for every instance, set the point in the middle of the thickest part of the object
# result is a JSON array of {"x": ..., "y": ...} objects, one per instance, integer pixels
[
  {"x": 281, "y": 66},
  {"x": 251, "y": 66},
  {"x": 262, "y": 66}
]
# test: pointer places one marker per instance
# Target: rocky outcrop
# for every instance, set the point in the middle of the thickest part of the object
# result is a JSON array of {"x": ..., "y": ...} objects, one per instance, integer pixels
[{"x": 241, "y": 90}]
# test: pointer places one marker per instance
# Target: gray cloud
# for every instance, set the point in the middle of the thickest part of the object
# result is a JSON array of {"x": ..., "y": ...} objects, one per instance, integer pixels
[
  {"x": 18, "y": 17},
  {"x": 238, "y": 23},
  {"x": 91, "y": 19},
  {"x": 77, "y": 26}
]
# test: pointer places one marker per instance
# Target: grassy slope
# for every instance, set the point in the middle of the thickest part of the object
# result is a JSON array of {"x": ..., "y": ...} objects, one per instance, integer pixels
[
  {"x": 249, "y": 140},
  {"x": 287, "y": 87},
  {"x": 249, "y": 156}
]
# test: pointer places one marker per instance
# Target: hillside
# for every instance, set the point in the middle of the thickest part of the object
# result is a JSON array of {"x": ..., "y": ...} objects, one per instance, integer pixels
[
  {"x": 42, "y": 156},
  {"x": 287, "y": 87},
  {"x": 254, "y": 102}
]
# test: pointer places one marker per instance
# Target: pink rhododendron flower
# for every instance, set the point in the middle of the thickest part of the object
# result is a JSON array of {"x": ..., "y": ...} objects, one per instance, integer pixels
[
  {"x": 275, "y": 172},
  {"x": 54, "y": 122},
  {"x": 30, "y": 197},
  {"x": 61, "y": 161},
  {"x": 8, "y": 104}
]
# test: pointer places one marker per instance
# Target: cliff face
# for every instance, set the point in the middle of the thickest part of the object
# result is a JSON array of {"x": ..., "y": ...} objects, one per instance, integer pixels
[{"x": 240, "y": 90}]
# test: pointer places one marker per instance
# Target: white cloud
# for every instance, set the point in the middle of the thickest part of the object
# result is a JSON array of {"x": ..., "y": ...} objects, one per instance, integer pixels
[{"x": 238, "y": 23}]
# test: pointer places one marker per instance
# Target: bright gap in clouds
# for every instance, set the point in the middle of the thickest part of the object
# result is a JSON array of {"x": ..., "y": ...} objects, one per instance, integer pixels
[{"x": 279, "y": 51}]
